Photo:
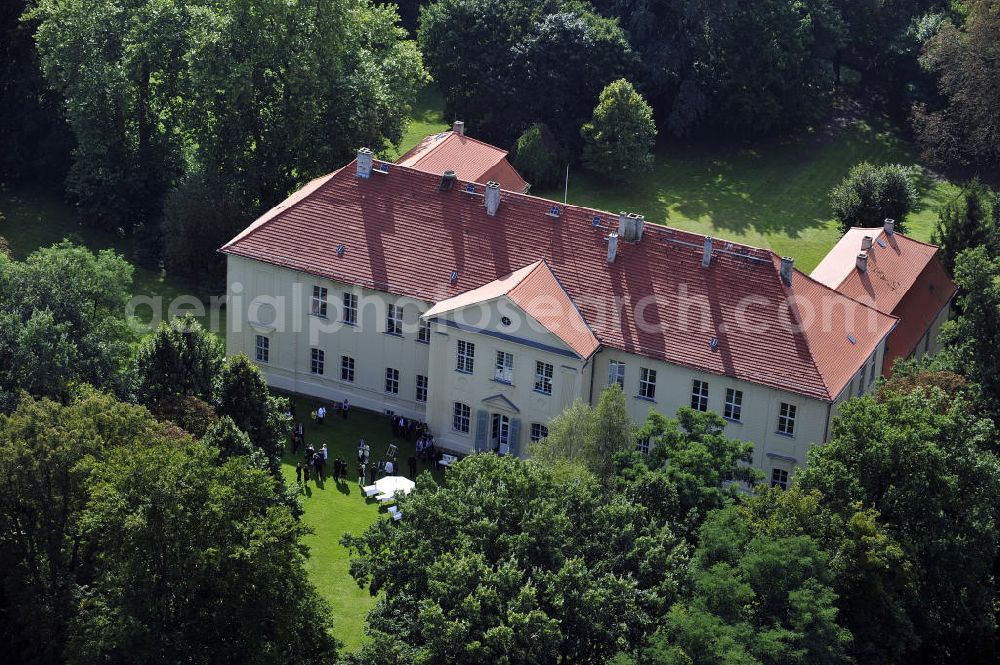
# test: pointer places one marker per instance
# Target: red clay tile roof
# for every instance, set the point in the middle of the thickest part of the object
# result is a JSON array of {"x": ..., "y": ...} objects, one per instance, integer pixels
[
  {"x": 538, "y": 293},
  {"x": 904, "y": 277},
  {"x": 471, "y": 160},
  {"x": 734, "y": 318}
]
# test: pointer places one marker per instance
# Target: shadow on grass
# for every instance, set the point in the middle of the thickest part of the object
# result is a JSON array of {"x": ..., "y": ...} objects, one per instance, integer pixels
[{"x": 767, "y": 187}]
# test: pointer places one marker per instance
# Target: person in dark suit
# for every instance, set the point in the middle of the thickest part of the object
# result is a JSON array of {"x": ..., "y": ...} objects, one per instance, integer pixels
[{"x": 413, "y": 467}]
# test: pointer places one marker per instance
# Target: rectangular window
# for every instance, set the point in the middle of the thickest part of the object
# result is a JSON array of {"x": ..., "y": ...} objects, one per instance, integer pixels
[
  {"x": 543, "y": 377},
  {"x": 421, "y": 388},
  {"x": 424, "y": 333},
  {"x": 347, "y": 369},
  {"x": 616, "y": 374},
  {"x": 263, "y": 351},
  {"x": 699, "y": 395},
  {"x": 351, "y": 309},
  {"x": 319, "y": 302},
  {"x": 394, "y": 320},
  {"x": 538, "y": 431},
  {"x": 466, "y": 356},
  {"x": 460, "y": 418},
  {"x": 318, "y": 360},
  {"x": 779, "y": 478},
  {"x": 734, "y": 404},
  {"x": 647, "y": 383},
  {"x": 786, "y": 419},
  {"x": 504, "y": 367},
  {"x": 642, "y": 445},
  {"x": 392, "y": 381}
]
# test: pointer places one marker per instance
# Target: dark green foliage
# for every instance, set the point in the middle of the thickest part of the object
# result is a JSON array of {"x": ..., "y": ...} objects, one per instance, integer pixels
[
  {"x": 620, "y": 135},
  {"x": 870, "y": 194},
  {"x": 186, "y": 411},
  {"x": 36, "y": 141},
  {"x": 168, "y": 523},
  {"x": 532, "y": 62},
  {"x": 922, "y": 461},
  {"x": 229, "y": 439},
  {"x": 756, "y": 598},
  {"x": 963, "y": 129},
  {"x": 538, "y": 157},
  {"x": 125, "y": 541},
  {"x": 506, "y": 563},
  {"x": 697, "y": 458},
  {"x": 965, "y": 224},
  {"x": 244, "y": 397},
  {"x": 972, "y": 340},
  {"x": 257, "y": 97},
  {"x": 179, "y": 358},
  {"x": 47, "y": 456},
  {"x": 62, "y": 322},
  {"x": 198, "y": 220}
]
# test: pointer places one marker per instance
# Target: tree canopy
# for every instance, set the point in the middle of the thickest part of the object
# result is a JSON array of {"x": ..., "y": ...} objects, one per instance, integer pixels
[
  {"x": 62, "y": 322},
  {"x": 619, "y": 137}
]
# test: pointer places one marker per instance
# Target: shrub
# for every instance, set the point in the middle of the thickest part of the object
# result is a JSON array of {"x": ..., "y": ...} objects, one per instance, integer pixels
[
  {"x": 538, "y": 156},
  {"x": 870, "y": 194},
  {"x": 620, "y": 136}
]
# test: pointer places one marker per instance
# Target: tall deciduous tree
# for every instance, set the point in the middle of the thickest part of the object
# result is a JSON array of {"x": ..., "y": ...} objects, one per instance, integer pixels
[
  {"x": 619, "y": 137},
  {"x": 245, "y": 397},
  {"x": 965, "y": 224},
  {"x": 47, "y": 455},
  {"x": 532, "y": 62},
  {"x": 871, "y": 193},
  {"x": 589, "y": 437},
  {"x": 506, "y": 563},
  {"x": 756, "y": 599},
  {"x": 922, "y": 461},
  {"x": 178, "y": 358},
  {"x": 194, "y": 562},
  {"x": 964, "y": 129},
  {"x": 62, "y": 321},
  {"x": 257, "y": 96},
  {"x": 972, "y": 340}
]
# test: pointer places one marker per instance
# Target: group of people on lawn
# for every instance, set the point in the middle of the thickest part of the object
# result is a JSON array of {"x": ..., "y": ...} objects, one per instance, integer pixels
[{"x": 315, "y": 461}]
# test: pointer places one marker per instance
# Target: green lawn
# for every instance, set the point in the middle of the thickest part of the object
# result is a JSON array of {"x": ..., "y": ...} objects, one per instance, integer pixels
[
  {"x": 331, "y": 509},
  {"x": 427, "y": 117},
  {"x": 767, "y": 194}
]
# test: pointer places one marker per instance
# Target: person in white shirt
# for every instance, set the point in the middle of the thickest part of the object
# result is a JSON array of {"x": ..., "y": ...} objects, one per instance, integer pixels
[
  {"x": 320, "y": 415},
  {"x": 344, "y": 407},
  {"x": 389, "y": 468},
  {"x": 325, "y": 453}
]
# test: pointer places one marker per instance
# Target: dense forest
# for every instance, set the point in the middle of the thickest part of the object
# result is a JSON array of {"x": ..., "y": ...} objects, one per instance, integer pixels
[{"x": 144, "y": 516}]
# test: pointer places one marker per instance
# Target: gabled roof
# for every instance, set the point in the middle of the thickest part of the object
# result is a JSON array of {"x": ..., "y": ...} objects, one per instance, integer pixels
[
  {"x": 903, "y": 277},
  {"x": 736, "y": 317},
  {"x": 538, "y": 293},
  {"x": 471, "y": 160}
]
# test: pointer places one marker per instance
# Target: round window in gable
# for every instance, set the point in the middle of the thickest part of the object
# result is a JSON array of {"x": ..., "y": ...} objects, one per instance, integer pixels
[{"x": 505, "y": 321}]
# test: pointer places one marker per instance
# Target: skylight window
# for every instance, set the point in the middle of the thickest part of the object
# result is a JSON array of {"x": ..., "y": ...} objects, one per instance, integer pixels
[{"x": 851, "y": 339}]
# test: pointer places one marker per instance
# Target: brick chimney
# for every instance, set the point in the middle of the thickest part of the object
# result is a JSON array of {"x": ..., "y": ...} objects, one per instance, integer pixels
[
  {"x": 706, "y": 257},
  {"x": 612, "y": 246},
  {"x": 890, "y": 226},
  {"x": 866, "y": 243},
  {"x": 862, "y": 262},
  {"x": 458, "y": 127}
]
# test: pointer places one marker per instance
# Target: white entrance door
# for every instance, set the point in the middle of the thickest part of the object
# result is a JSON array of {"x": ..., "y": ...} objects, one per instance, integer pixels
[{"x": 500, "y": 433}]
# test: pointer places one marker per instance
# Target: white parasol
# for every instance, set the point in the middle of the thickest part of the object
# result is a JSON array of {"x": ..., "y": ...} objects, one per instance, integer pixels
[{"x": 391, "y": 484}]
